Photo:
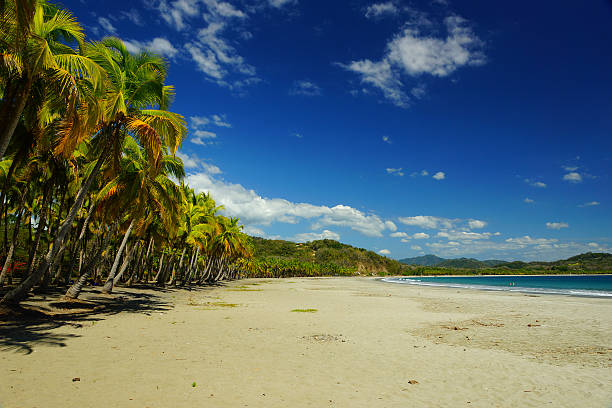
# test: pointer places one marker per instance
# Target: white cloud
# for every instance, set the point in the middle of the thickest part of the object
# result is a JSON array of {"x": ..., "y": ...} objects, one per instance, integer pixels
[
  {"x": 476, "y": 224},
  {"x": 221, "y": 121},
  {"x": 381, "y": 9},
  {"x": 420, "y": 235},
  {"x": 223, "y": 9},
  {"x": 281, "y": 3},
  {"x": 439, "y": 175},
  {"x": 395, "y": 172},
  {"x": 570, "y": 168},
  {"x": 416, "y": 248},
  {"x": 190, "y": 162},
  {"x": 463, "y": 235},
  {"x": 256, "y": 210},
  {"x": 305, "y": 88},
  {"x": 107, "y": 25},
  {"x": 158, "y": 45},
  {"x": 384, "y": 252},
  {"x": 386, "y": 139},
  {"x": 193, "y": 162},
  {"x": 133, "y": 15},
  {"x": 254, "y": 231},
  {"x": 527, "y": 240},
  {"x": 399, "y": 235},
  {"x": 391, "y": 226},
  {"x": 533, "y": 183},
  {"x": 427, "y": 221},
  {"x": 590, "y": 204},
  {"x": 573, "y": 177},
  {"x": 200, "y": 137},
  {"x": 557, "y": 225},
  {"x": 214, "y": 54},
  {"x": 314, "y": 236},
  {"x": 528, "y": 200},
  {"x": 413, "y": 53},
  {"x": 198, "y": 121}
]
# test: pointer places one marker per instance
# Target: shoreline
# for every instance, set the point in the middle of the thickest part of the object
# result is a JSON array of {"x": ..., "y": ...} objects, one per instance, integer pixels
[
  {"x": 319, "y": 342},
  {"x": 572, "y": 292}
]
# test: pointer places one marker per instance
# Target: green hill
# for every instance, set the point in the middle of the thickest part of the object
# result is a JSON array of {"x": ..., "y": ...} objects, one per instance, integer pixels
[
  {"x": 432, "y": 260},
  {"x": 425, "y": 260},
  {"x": 327, "y": 251},
  {"x": 364, "y": 262}
]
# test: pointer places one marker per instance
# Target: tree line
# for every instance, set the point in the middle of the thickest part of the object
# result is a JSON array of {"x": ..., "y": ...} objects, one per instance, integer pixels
[{"x": 91, "y": 189}]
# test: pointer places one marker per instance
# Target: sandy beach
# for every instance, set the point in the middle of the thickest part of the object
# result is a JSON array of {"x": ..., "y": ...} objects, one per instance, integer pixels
[{"x": 328, "y": 342}]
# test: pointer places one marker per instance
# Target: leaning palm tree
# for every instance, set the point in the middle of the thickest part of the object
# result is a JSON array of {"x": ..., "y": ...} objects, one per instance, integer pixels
[
  {"x": 34, "y": 53},
  {"x": 145, "y": 189},
  {"x": 134, "y": 84}
]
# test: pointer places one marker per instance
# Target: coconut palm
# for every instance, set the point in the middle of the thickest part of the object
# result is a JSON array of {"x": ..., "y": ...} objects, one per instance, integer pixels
[{"x": 134, "y": 84}]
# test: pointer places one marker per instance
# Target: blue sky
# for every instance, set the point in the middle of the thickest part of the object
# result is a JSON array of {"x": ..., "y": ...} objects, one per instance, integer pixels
[{"x": 478, "y": 129}]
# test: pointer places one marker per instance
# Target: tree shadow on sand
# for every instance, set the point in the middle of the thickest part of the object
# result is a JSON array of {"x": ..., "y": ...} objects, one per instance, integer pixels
[{"x": 37, "y": 322}]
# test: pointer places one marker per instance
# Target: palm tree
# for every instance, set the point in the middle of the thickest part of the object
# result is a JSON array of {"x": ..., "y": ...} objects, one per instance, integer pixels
[
  {"x": 33, "y": 37},
  {"x": 134, "y": 83}
]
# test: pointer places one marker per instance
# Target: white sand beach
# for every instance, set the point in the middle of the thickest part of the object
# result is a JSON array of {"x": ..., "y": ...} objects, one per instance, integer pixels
[{"x": 367, "y": 344}]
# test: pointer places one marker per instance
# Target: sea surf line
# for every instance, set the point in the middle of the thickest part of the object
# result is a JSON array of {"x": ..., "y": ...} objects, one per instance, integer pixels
[{"x": 599, "y": 286}]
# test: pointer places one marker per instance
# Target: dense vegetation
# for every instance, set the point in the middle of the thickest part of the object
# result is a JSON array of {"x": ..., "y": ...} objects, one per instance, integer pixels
[
  {"x": 91, "y": 189},
  {"x": 588, "y": 262},
  {"x": 325, "y": 255}
]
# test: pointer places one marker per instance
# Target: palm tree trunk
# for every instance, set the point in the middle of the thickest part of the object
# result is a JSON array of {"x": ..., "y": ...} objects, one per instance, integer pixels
[
  {"x": 11, "y": 251},
  {"x": 74, "y": 291},
  {"x": 20, "y": 292},
  {"x": 125, "y": 264},
  {"x": 11, "y": 113},
  {"x": 108, "y": 286},
  {"x": 42, "y": 220},
  {"x": 159, "y": 269}
]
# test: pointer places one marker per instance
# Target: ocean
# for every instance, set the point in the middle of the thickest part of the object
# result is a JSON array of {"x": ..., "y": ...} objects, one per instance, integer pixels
[{"x": 572, "y": 285}]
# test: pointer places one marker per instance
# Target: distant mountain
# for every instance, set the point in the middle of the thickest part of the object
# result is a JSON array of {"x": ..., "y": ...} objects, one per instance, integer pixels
[
  {"x": 468, "y": 263},
  {"x": 425, "y": 260}
]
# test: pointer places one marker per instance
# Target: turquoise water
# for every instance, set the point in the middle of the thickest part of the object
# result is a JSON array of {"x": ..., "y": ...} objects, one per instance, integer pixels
[{"x": 573, "y": 285}]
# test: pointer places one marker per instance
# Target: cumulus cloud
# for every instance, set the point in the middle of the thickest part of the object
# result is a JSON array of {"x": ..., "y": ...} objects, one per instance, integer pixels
[
  {"x": 573, "y": 177},
  {"x": 158, "y": 45},
  {"x": 413, "y": 53},
  {"x": 254, "y": 209},
  {"x": 557, "y": 225},
  {"x": 305, "y": 88},
  {"x": 439, "y": 175},
  {"x": 254, "y": 231},
  {"x": 314, "y": 236},
  {"x": 416, "y": 248},
  {"x": 395, "y": 172},
  {"x": 534, "y": 183},
  {"x": 384, "y": 252},
  {"x": 391, "y": 226},
  {"x": 399, "y": 235},
  {"x": 476, "y": 224},
  {"x": 420, "y": 235},
  {"x": 441, "y": 223},
  {"x": 463, "y": 235},
  {"x": 193, "y": 162},
  {"x": 427, "y": 221},
  {"x": 381, "y": 9}
]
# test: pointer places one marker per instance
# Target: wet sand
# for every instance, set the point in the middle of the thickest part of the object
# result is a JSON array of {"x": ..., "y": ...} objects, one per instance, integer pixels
[{"x": 363, "y": 343}]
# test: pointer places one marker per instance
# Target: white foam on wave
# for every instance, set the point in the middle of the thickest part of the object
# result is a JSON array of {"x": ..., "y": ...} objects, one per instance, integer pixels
[{"x": 521, "y": 289}]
